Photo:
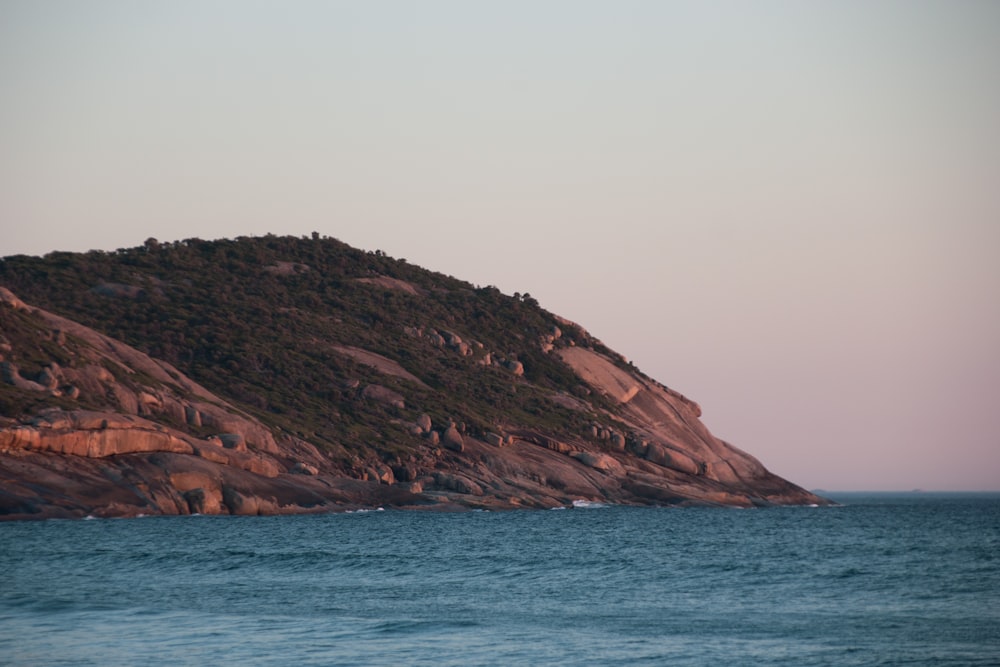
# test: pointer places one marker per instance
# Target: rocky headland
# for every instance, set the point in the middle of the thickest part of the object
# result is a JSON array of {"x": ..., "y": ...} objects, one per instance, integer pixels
[{"x": 283, "y": 375}]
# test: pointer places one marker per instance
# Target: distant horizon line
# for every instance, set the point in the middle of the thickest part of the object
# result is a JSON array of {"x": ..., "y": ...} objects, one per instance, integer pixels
[{"x": 908, "y": 491}]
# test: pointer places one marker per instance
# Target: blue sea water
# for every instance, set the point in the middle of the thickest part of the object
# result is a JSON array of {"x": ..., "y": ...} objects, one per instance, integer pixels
[{"x": 880, "y": 580}]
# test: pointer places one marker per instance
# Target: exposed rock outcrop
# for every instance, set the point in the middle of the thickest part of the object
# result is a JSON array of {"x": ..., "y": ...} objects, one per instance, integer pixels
[
  {"x": 380, "y": 394},
  {"x": 392, "y": 283},
  {"x": 286, "y": 268},
  {"x": 377, "y": 361},
  {"x": 91, "y": 425},
  {"x": 91, "y": 435}
]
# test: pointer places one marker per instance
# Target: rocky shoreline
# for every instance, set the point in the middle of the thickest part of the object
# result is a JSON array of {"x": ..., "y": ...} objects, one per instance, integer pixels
[{"x": 94, "y": 427}]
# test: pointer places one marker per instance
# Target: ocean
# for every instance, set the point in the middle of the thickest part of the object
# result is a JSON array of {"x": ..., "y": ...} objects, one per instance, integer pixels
[{"x": 882, "y": 579}]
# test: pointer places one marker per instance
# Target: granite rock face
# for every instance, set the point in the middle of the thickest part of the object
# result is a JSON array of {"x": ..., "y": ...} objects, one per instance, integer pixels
[{"x": 92, "y": 426}]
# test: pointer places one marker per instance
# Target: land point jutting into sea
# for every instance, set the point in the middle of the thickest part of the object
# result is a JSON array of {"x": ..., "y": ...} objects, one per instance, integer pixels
[{"x": 284, "y": 375}]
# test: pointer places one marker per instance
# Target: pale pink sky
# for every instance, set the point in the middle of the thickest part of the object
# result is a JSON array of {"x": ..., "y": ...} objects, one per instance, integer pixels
[{"x": 788, "y": 211}]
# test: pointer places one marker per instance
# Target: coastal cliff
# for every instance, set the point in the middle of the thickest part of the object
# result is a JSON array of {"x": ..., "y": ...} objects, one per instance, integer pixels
[{"x": 283, "y": 375}]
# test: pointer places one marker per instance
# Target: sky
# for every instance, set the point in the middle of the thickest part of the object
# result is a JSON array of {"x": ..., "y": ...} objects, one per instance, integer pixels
[{"x": 788, "y": 211}]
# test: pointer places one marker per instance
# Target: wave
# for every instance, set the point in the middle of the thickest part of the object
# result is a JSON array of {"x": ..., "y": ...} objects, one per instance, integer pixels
[
  {"x": 422, "y": 626},
  {"x": 589, "y": 504}
]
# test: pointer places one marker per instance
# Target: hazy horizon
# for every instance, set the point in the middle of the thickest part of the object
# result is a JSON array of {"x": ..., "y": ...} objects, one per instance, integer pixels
[{"x": 786, "y": 211}]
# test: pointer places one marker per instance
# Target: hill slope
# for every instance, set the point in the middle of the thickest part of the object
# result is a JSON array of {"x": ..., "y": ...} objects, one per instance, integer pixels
[{"x": 279, "y": 374}]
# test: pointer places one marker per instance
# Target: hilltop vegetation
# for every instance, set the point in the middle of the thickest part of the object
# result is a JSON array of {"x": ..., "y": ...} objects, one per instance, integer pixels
[
  {"x": 279, "y": 374},
  {"x": 260, "y": 320}
]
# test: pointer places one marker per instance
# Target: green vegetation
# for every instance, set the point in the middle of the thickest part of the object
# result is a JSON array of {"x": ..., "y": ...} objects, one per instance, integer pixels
[{"x": 256, "y": 320}]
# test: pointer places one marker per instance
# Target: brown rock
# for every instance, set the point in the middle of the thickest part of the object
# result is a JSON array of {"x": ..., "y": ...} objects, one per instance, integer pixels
[
  {"x": 237, "y": 503},
  {"x": 377, "y": 392},
  {"x": 458, "y": 483},
  {"x": 67, "y": 461},
  {"x": 7, "y": 297},
  {"x": 385, "y": 475},
  {"x": 556, "y": 446},
  {"x": 618, "y": 441},
  {"x": 256, "y": 463},
  {"x": 301, "y": 468},
  {"x": 255, "y": 434},
  {"x": 192, "y": 416},
  {"x": 424, "y": 422},
  {"x": 452, "y": 439},
  {"x": 286, "y": 268},
  {"x": 49, "y": 377},
  {"x": 196, "y": 500},
  {"x": 234, "y": 441},
  {"x": 598, "y": 461},
  {"x": 10, "y": 374},
  {"x": 515, "y": 367},
  {"x": 669, "y": 458},
  {"x": 92, "y": 440}
]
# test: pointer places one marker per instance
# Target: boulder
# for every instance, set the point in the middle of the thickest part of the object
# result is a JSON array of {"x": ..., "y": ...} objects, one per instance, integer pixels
[
  {"x": 302, "y": 468},
  {"x": 515, "y": 367},
  {"x": 11, "y": 375},
  {"x": 424, "y": 422},
  {"x": 234, "y": 441},
  {"x": 126, "y": 399},
  {"x": 494, "y": 439},
  {"x": 452, "y": 439},
  {"x": 255, "y": 434},
  {"x": 556, "y": 446},
  {"x": 618, "y": 441},
  {"x": 457, "y": 483},
  {"x": 49, "y": 377},
  {"x": 435, "y": 338},
  {"x": 385, "y": 475},
  {"x": 7, "y": 297},
  {"x": 669, "y": 458},
  {"x": 637, "y": 446},
  {"x": 253, "y": 462},
  {"x": 192, "y": 416},
  {"x": 598, "y": 461},
  {"x": 148, "y": 403}
]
